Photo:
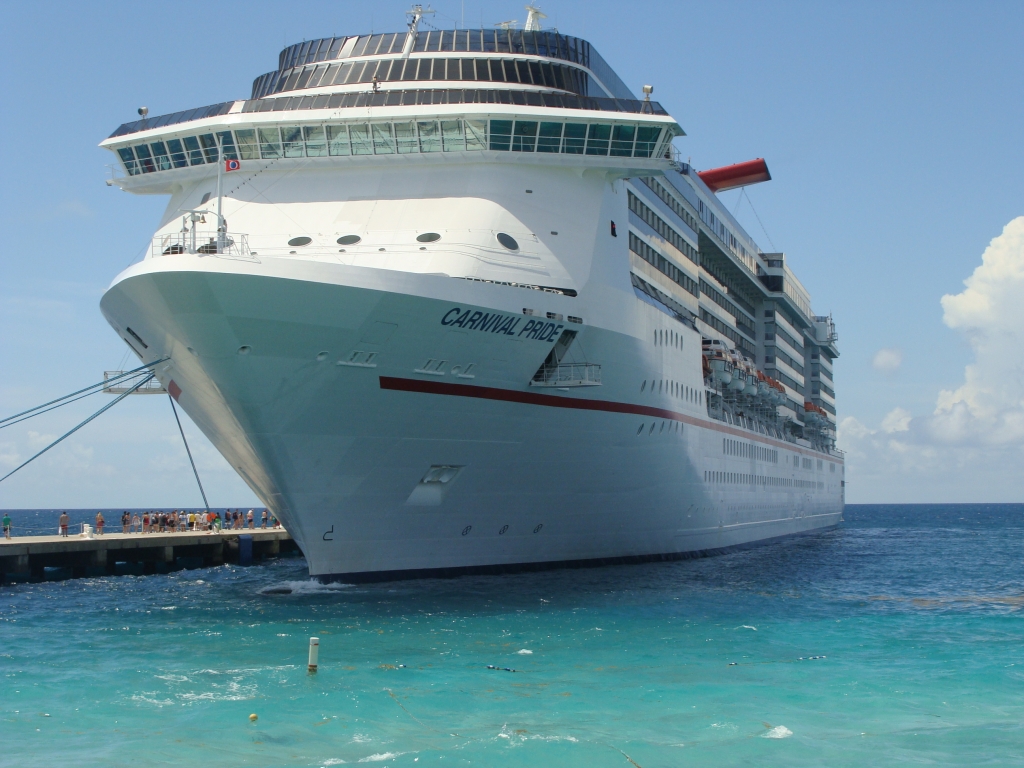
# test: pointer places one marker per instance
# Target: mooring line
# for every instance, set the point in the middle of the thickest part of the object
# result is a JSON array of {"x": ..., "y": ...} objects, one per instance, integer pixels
[
  {"x": 189, "y": 452},
  {"x": 106, "y": 382},
  {"x": 68, "y": 434}
]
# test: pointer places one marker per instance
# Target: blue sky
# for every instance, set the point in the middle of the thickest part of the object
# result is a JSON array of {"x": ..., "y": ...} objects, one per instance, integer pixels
[{"x": 892, "y": 130}]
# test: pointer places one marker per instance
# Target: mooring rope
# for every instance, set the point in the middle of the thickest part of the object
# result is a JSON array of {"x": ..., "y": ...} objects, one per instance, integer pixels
[
  {"x": 68, "y": 434},
  {"x": 189, "y": 452},
  {"x": 10, "y": 420}
]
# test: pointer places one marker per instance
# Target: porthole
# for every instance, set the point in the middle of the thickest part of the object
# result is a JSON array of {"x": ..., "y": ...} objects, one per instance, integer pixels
[
  {"x": 428, "y": 237},
  {"x": 537, "y": 529},
  {"x": 502, "y": 531},
  {"x": 508, "y": 241},
  {"x": 295, "y": 242},
  {"x": 466, "y": 530},
  {"x": 349, "y": 239},
  {"x": 640, "y": 429}
]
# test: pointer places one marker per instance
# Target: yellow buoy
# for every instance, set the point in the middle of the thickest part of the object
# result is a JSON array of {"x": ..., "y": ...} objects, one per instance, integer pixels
[{"x": 253, "y": 717}]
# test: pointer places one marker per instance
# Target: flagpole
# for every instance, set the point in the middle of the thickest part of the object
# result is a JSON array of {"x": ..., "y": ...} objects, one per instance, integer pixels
[{"x": 220, "y": 171}]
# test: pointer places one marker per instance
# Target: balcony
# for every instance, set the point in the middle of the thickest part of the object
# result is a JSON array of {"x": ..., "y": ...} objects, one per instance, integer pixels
[
  {"x": 208, "y": 243},
  {"x": 568, "y": 375}
]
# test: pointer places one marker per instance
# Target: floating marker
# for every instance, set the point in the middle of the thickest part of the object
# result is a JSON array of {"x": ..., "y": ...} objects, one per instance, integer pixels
[
  {"x": 314, "y": 653},
  {"x": 253, "y": 717}
]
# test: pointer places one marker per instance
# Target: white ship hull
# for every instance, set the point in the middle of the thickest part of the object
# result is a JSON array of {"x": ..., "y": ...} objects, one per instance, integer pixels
[{"x": 544, "y": 476}]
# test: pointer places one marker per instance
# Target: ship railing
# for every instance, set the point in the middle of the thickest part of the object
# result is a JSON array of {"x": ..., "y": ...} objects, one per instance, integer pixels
[
  {"x": 568, "y": 375},
  {"x": 122, "y": 384},
  {"x": 209, "y": 243}
]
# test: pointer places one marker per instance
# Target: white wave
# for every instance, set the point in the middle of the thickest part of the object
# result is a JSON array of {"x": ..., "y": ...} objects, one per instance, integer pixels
[
  {"x": 747, "y": 626},
  {"x": 309, "y": 587},
  {"x": 361, "y": 738},
  {"x": 524, "y": 652},
  {"x": 778, "y": 732},
  {"x": 334, "y": 761},
  {"x": 381, "y": 756}
]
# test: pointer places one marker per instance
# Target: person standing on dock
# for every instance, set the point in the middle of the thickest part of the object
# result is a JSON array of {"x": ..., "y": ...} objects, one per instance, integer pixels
[
  {"x": 263, "y": 519},
  {"x": 251, "y": 519},
  {"x": 100, "y": 522},
  {"x": 136, "y": 523},
  {"x": 126, "y": 520},
  {"x": 63, "y": 524},
  {"x": 7, "y": 526}
]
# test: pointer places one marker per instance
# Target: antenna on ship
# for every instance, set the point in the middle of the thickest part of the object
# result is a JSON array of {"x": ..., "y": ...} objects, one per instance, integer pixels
[
  {"x": 533, "y": 18},
  {"x": 507, "y": 24},
  {"x": 416, "y": 12}
]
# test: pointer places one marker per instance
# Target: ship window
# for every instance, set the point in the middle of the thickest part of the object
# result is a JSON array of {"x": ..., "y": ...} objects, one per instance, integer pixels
[
  {"x": 337, "y": 140},
  {"x": 227, "y": 146},
  {"x": 270, "y": 143},
  {"x": 145, "y": 159},
  {"x": 575, "y": 137},
  {"x": 405, "y": 138},
  {"x": 428, "y": 237},
  {"x": 524, "y": 138},
  {"x": 597, "y": 139},
  {"x": 299, "y": 241},
  {"x": 292, "y": 136},
  {"x": 451, "y": 131},
  {"x": 468, "y": 69},
  {"x": 550, "y": 137},
  {"x": 195, "y": 154},
  {"x": 476, "y": 135},
  {"x": 160, "y": 158},
  {"x": 128, "y": 158},
  {"x": 622, "y": 140},
  {"x": 430, "y": 139},
  {"x": 247, "y": 148},
  {"x": 646, "y": 140},
  {"x": 209, "y": 147},
  {"x": 349, "y": 239},
  {"x": 508, "y": 241},
  {"x": 501, "y": 134},
  {"x": 178, "y": 158},
  {"x": 316, "y": 145},
  {"x": 383, "y": 142},
  {"x": 361, "y": 142}
]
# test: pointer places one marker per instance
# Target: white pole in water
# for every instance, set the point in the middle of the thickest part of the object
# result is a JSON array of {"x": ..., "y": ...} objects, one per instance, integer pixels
[{"x": 314, "y": 653}]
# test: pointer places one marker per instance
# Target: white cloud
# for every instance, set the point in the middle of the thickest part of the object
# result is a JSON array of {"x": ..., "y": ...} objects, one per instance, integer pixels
[
  {"x": 888, "y": 360},
  {"x": 971, "y": 445},
  {"x": 897, "y": 420}
]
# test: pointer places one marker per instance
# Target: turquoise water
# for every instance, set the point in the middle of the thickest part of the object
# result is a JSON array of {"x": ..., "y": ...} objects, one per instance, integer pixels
[{"x": 914, "y": 614}]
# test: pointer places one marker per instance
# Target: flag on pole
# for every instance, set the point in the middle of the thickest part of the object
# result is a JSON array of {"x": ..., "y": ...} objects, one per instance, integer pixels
[{"x": 232, "y": 165}]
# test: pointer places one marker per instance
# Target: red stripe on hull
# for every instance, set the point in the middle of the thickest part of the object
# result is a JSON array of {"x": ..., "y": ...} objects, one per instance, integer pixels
[{"x": 554, "y": 401}]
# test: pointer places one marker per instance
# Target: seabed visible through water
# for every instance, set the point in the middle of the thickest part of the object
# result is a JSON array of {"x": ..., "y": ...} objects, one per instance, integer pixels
[{"x": 896, "y": 638}]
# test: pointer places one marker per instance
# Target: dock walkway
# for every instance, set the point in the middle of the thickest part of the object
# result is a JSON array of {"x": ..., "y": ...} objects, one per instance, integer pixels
[{"x": 27, "y": 557}]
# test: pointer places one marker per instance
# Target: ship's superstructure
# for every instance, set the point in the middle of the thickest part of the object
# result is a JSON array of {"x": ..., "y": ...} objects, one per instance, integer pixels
[{"x": 448, "y": 300}]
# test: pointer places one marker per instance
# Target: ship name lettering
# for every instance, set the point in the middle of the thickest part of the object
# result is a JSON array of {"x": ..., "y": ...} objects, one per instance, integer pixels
[
  {"x": 540, "y": 330},
  {"x": 481, "y": 321}
]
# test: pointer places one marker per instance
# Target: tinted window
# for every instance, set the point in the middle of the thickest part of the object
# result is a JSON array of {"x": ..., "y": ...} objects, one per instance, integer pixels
[
  {"x": 622, "y": 140},
  {"x": 299, "y": 241},
  {"x": 428, "y": 237},
  {"x": 597, "y": 139},
  {"x": 177, "y": 153},
  {"x": 525, "y": 136},
  {"x": 508, "y": 241},
  {"x": 501, "y": 134},
  {"x": 550, "y": 137},
  {"x": 575, "y": 137},
  {"x": 195, "y": 154},
  {"x": 349, "y": 239}
]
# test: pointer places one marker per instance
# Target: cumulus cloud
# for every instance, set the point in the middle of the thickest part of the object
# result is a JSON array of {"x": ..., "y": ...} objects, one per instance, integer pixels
[
  {"x": 977, "y": 428},
  {"x": 887, "y": 360}
]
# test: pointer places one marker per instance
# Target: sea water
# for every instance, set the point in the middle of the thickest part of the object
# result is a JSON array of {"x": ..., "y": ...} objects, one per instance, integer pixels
[{"x": 897, "y": 638}]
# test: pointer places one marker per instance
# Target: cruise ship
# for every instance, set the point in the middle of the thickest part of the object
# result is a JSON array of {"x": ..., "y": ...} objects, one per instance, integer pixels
[{"x": 449, "y": 301}]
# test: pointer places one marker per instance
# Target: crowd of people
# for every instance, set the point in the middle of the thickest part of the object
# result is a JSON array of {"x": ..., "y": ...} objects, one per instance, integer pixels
[{"x": 175, "y": 521}]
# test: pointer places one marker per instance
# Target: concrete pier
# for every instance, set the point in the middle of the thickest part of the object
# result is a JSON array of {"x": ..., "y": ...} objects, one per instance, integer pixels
[{"x": 25, "y": 558}]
